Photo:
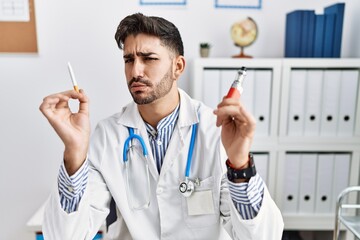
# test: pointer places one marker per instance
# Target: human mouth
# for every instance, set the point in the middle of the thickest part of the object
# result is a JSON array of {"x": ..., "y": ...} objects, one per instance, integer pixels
[{"x": 137, "y": 87}]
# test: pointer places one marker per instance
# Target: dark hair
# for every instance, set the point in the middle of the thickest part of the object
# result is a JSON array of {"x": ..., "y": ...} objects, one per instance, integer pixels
[{"x": 159, "y": 27}]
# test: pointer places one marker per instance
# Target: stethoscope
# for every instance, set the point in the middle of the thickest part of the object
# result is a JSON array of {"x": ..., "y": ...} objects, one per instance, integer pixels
[
  {"x": 186, "y": 187},
  {"x": 126, "y": 149}
]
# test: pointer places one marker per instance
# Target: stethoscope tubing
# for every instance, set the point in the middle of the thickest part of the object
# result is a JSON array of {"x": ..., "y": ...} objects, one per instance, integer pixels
[
  {"x": 187, "y": 186},
  {"x": 191, "y": 150},
  {"x": 132, "y": 135}
]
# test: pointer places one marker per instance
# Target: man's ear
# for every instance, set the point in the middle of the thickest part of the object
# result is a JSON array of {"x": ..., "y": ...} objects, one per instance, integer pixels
[{"x": 179, "y": 66}]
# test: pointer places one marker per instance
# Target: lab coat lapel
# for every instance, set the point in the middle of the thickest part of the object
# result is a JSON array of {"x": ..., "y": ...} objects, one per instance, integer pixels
[
  {"x": 131, "y": 118},
  {"x": 188, "y": 115},
  {"x": 175, "y": 147}
]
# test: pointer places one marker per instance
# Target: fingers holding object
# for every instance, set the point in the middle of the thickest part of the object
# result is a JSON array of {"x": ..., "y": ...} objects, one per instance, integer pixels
[
  {"x": 233, "y": 111},
  {"x": 61, "y": 100}
]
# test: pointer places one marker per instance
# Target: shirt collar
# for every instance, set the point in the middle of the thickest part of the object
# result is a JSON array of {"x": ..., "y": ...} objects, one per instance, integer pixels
[{"x": 164, "y": 123}]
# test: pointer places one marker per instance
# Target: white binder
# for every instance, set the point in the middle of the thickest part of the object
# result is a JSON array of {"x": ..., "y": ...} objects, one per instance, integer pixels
[
  {"x": 262, "y": 163},
  {"x": 307, "y": 182},
  {"x": 248, "y": 95},
  {"x": 323, "y": 195},
  {"x": 211, "y": 86},
  {"x": 296, "y": 102},
  {"x": 313, "y": 102},
  {"x": 330, "y": 102},
  {"x": 263, "y": 80},
  {"x": 341, "y": 175},
  {"x": 347, "y": 104},
  {"x": 290, "y": 195}
]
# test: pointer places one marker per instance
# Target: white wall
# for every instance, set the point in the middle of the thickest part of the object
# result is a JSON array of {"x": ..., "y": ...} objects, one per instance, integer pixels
[{"x": 82, "y": 32}]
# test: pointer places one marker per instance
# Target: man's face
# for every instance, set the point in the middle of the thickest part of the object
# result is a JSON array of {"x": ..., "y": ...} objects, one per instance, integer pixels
[{"x": 148, "y": 68}]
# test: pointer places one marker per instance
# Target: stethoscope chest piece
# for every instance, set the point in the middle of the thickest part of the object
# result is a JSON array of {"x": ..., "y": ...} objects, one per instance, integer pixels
[{"x": 187, "y": 188}]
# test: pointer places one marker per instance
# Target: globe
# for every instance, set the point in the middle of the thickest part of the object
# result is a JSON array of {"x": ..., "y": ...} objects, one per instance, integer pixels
[{"x": 243, "y": 34}]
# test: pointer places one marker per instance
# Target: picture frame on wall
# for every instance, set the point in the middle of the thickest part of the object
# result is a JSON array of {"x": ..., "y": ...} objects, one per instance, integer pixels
[
  {"x": 162, "y": 2},
  {"x": 253, "y": 4}
]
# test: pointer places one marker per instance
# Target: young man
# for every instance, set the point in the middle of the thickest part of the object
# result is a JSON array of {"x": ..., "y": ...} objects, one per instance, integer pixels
[{"x": 180, "y": 190}]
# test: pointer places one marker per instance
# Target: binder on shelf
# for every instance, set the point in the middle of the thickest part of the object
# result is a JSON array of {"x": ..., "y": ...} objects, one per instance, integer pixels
[
  {"x": 347, "y": 103},
  {"x": 307, "y": 33},
  {"x": 323, "y": 195},
  {"x": 338, "y": 10},
  {"x": 262, "y": 163},
  {"x": 290, "y": 195},
  {"x": 311, "y": 34},
  {"x": 211, "y": 86},
  {"x": 330, "y": 102},
  {"x": 329, "y": 30},
  {"x": 296, "y": 102},
  {"x": 293, "y": 33},
  {"x": 313, "y": 96},
  {"x": 248, "y": 95},
  {"x": 307, "y": 182},
  {"x": 262, "y": 104},
  {"x": 319, "y": 36},
  {"x": 341, "y": 175}
]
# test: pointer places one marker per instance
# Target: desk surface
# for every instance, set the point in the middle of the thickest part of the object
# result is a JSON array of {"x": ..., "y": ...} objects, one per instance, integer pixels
[{"x": 35, "y": 222}]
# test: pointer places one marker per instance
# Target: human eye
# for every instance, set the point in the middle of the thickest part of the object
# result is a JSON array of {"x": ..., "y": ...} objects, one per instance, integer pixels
[
  {"x": 150, "y": 58},
  {"x": 128, "y": 60}
]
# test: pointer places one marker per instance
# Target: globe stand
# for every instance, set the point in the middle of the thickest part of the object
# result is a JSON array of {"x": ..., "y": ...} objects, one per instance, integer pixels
[{"x": 241, "y": 55}]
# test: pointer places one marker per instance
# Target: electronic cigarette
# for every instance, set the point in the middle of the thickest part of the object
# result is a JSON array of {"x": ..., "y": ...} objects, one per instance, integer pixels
[{"x": 236, "y": 87}]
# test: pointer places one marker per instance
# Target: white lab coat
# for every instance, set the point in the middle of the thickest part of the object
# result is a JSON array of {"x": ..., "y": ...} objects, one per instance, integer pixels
[{"x": 167, "y": 216}]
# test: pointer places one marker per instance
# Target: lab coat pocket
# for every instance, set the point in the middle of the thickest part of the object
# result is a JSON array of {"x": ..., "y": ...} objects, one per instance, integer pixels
[{"x": 200, "y": 209}]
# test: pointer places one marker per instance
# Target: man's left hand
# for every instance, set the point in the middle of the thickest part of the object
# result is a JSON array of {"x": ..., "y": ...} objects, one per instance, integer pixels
[{"x": 238, "y": 127}]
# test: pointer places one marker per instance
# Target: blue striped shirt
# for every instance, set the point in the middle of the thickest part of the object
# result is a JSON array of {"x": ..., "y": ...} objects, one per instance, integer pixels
[
  {"x": 160, "y": 137},
  {"x": 71, "y": 188},
  {"x": 247, "y": 197}
]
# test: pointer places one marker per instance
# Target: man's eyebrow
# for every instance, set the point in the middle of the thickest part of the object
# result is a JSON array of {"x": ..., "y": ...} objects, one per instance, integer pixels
[{"x": 141, "y": 54}]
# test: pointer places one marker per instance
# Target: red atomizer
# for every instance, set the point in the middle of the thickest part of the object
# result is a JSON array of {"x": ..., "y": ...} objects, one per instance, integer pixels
[{"x": 236, "y": 87}]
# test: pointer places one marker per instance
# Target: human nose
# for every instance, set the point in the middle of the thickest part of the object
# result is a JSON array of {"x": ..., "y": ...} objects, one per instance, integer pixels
[{"x": 137, "y": 70}]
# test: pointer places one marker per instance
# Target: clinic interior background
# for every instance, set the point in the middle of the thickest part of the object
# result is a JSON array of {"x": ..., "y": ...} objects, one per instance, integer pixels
[{"x": 82, "y": 32}]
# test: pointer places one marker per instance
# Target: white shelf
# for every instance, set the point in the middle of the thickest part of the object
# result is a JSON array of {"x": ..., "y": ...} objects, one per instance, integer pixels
[
  {"x": 321, "y": 62},
  {"x": 310, "y": 222},
  {"x": 318, "y": 144},
  {"x": 278, "y": 143}
]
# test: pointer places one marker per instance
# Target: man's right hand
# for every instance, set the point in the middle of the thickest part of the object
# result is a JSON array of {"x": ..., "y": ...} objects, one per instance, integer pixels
[{"x": 72, "y": 128}]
